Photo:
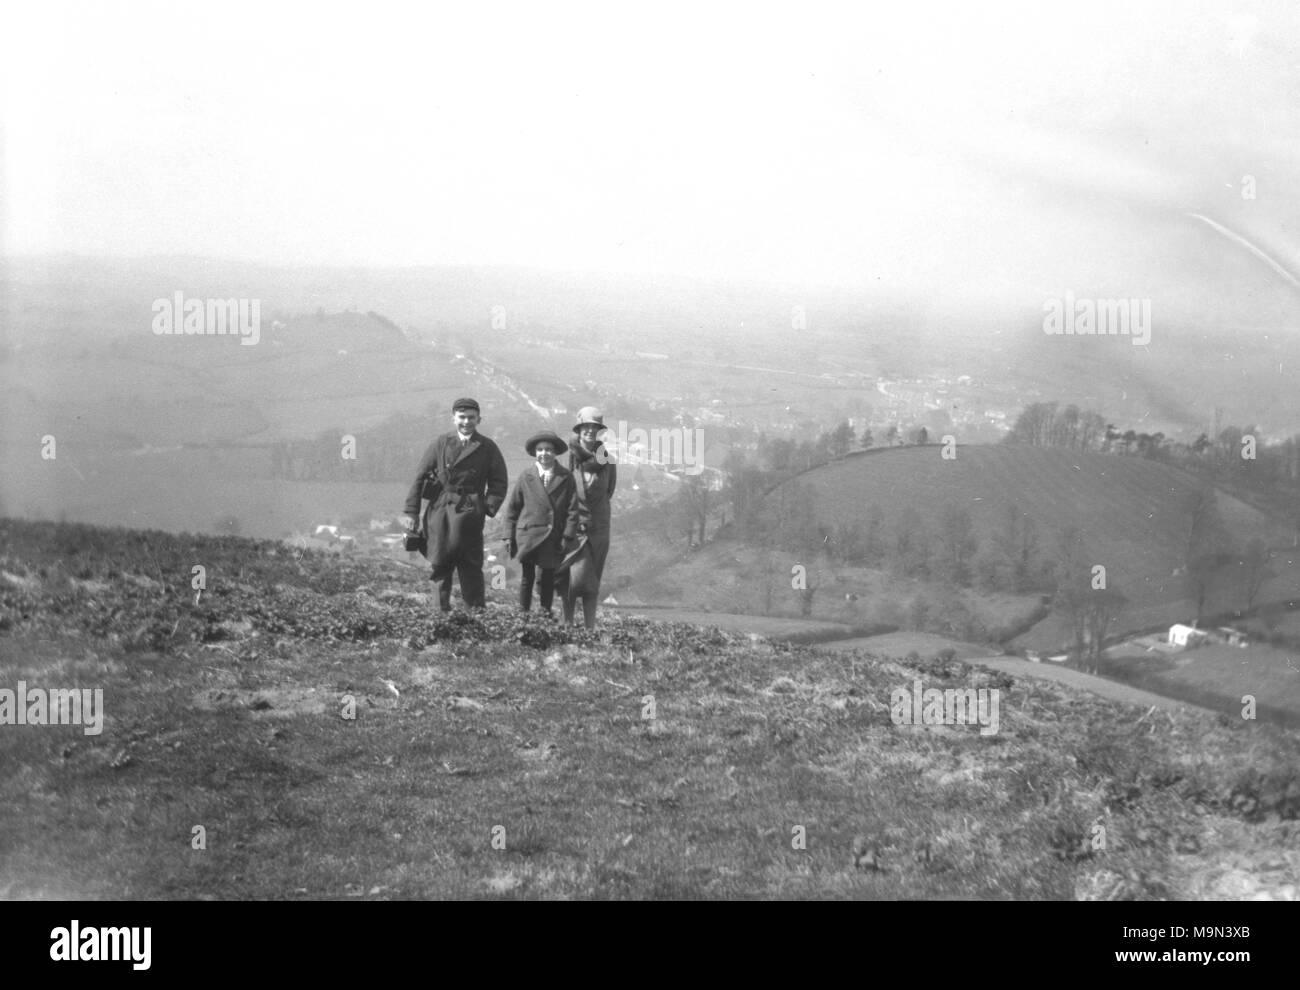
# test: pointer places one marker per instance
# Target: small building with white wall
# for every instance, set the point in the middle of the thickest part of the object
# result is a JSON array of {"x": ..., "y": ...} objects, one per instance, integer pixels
[{"x": 1186, "y": 636}]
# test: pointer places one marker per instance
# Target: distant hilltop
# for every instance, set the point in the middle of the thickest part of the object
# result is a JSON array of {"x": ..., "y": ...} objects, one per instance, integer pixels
[{"x": 350, "y": 332}]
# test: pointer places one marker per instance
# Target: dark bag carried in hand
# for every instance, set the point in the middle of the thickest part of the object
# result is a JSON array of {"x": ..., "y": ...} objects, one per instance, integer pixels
[{"x": 418, "y": 539}]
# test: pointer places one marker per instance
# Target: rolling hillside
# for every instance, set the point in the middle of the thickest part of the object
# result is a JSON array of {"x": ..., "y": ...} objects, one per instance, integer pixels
[
  {"x": 1132, "y": 516},
  {"x": 177, "y": 432},
  {"x": 1130, "y": 512}
]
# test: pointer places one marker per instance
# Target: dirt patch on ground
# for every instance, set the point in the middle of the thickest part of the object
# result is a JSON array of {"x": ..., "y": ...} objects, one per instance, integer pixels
[{"x": 287, "y": 702}]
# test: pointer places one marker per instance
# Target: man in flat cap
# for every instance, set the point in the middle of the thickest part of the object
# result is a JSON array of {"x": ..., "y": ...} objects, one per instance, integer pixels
[{"x": 462, "y": 478}]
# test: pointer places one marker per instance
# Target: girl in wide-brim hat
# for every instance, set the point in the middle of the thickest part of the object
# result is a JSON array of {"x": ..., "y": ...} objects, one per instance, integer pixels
[
  {"x": 531, "y": 446},
  {"x": 539, "y": 513}
]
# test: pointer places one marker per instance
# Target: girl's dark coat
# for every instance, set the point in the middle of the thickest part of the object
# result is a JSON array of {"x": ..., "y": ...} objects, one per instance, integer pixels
[{"x": 538, "y": 518}]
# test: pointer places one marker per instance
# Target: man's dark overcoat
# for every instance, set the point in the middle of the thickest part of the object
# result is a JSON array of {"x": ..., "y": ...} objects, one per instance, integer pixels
[{"x": 470, "y": 484}]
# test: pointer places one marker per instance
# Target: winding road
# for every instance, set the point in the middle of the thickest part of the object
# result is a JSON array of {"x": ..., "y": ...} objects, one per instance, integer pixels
[{"x": 1088, "y": 682}]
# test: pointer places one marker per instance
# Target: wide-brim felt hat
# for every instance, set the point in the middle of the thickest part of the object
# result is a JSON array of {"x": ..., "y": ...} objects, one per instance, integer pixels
[
  {"x": 589, "y": 416},
  {"x": 536, "y": 438}
]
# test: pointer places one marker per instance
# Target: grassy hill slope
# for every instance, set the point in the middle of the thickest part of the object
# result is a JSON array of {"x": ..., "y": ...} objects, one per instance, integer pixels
[
  {"x": 644, "y": 760},
  {"x": 1131, "y": 513},
  {"x": 179, "y": 430}
]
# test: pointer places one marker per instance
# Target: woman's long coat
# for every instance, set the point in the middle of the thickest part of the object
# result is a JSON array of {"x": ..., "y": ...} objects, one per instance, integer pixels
[
  {"x": 587, "y": 560},
  {"x": 538, "y": 517}
]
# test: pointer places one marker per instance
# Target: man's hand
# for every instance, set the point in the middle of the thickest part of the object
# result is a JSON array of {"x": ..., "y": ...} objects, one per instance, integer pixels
[{"x": 409, "y": 523}]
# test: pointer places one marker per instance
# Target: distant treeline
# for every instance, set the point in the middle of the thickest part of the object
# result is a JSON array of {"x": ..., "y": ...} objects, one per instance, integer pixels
[
  {"x": 376, "y": 459},
  {"x": 781, "y": 457},
  {"x": 386, "y": 453},
  {"x": 1235, "y": 459}
]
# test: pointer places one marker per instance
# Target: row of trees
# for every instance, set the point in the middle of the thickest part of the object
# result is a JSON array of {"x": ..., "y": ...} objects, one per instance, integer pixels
[
  {"x": 947, "y": 547},
  {"x": 1049, "y": 424},
  {"x": 783, "y": 456},
  {"x": 1045, "y": 424},
  {"x": 1232, "y": 457}
]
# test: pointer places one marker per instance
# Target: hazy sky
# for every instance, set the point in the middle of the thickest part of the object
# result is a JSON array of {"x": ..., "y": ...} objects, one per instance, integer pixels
[{"x": 968, "y": 147}]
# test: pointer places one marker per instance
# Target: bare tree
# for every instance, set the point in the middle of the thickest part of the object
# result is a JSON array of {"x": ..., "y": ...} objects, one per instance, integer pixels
[
  {"x": 957, "y": 541},
  {"x": 841, "y": 439},
  {"x": 1204, "y": 530},
  {"x": 1087, "y": 606},
  {"x": 1068, "y": 600},
  {"x": 744, "y": 492},
  {"x": 1203, "y": 574},
  {"x": 795, "y": 527},
  {"x": 1228, "y": 448},
  {"x": 1017, "y": 545},
  {"x": 1034, "y": 424},
  {"x": 1255, "y": 570},
  {"x": 693, "y": 501},
  {"x": 816, "y": 573},
  {"x": 1065, "y": 427},
  {"x": 1103, "y": 607},
  {"x": 873, "y": 538},
  {"x": 772, "y": 577},
  {"x": 912, "y": 544},
  {"x": 1092, "y": 430},
  {"x": 848, "y": 541},
  {"x": 1206, "y": 551}
]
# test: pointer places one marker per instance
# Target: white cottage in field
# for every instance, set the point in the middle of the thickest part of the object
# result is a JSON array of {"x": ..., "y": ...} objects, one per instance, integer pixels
[{"x": 1186, "y": 636}]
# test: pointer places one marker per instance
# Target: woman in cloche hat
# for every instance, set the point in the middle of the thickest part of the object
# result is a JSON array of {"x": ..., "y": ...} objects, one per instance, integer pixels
[{"x": 595, "y": 476}]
